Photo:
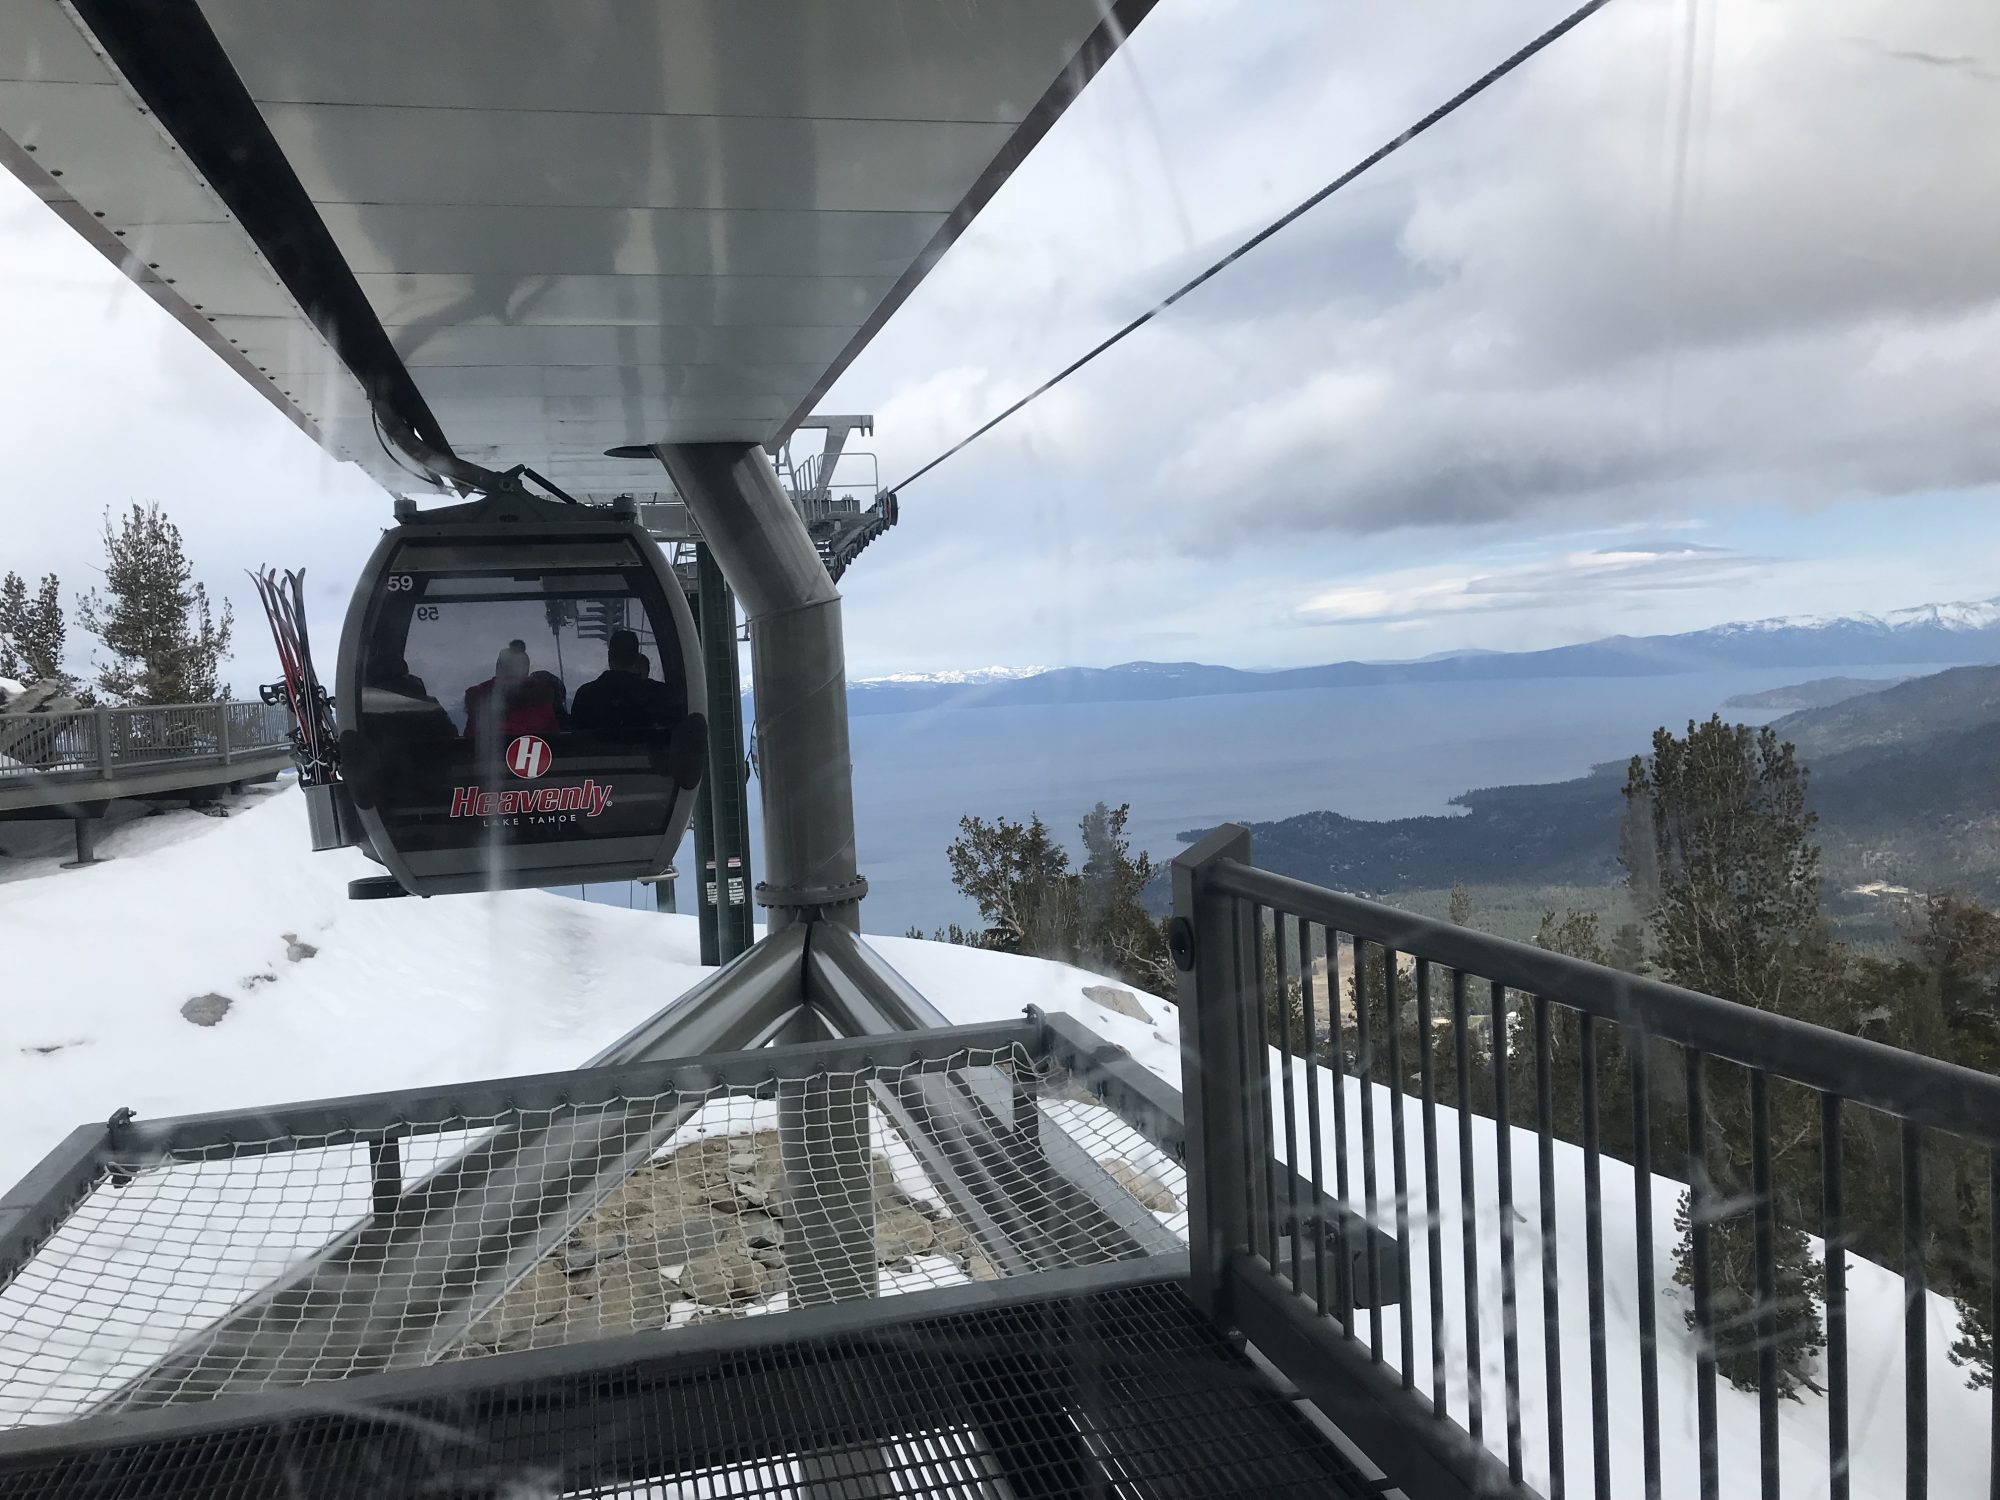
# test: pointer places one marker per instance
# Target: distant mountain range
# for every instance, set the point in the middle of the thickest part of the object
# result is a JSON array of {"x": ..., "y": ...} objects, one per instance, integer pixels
[
  {"x": 1932, "y": 634},
  {"x": 1906, "y": 782}
]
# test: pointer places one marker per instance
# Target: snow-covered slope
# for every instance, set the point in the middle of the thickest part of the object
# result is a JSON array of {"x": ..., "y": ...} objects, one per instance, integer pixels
[
  {"x": 98, "y": 963},
  {"x": 1959, "y": 1415}
]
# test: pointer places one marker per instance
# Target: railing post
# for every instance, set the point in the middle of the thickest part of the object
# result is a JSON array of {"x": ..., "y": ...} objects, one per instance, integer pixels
[
  {"x": 1215, "y": 947},
  {"x": 102, "y": 721},
  {"x": 222, "y": 732}
]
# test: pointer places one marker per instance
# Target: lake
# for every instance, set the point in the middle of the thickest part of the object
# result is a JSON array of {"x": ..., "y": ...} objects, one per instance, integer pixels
[{"x": 1391, "y": 751}]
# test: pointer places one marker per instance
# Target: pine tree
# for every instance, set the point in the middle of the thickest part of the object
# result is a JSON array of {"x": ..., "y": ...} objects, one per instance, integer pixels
[
  {"x": 32, "y": 631},
  {"x": 1118, "y": 933},
  {"x": 1460, "y": 909},
  {"x": 166, "y": 645},
  {"x": 1033, "y": 902},
  {"x": 13, "y": 610},
  {"x": 1628, "y": 948},
  {"x": 1725, "y": 854},
  {"x": 1019, "y": 877}
]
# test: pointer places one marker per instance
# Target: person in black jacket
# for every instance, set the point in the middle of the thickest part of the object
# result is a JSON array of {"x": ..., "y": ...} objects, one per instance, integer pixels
[{"x": 624, "y": 701}]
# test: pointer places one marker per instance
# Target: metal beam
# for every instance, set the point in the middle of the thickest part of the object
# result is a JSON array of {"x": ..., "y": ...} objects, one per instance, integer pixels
[
  {"x": 799, "y": 678},
  {"x": 1031, "y": 1195},
  {"x": 1396, "y": 1426},
  {"x": 889, "y": 1321},
  {"x": 403, "y": 1288}
]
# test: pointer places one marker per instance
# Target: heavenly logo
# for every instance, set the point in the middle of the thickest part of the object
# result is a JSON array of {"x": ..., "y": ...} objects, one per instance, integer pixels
[
  {"x": 528, "y": 756},
  {"x": 590, "y": 799}
]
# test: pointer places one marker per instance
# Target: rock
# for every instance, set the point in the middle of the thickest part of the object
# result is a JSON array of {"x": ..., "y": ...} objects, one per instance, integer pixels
[
  {"x": 206, "y": 1010},
  {"x": 1149, "y": 1190},
  {"x": 979, "y": 1268},
  {"x": 901, "y": 1232},
  {"x": 711, "y": 1279},
  {"x": 753, "y": 1195},
  {"x": 751, "y": 1279},
  {"x": 295, "y": 950},
  {"x": 742, "y": 1161},
  {"x": 625, "y": 1303},
  {"x": 540, "y": 1297},
  {"x": 576, "y": 1259},
  {"x": 1111, "y": 997},
  {"x": 765, "y": 1239}
]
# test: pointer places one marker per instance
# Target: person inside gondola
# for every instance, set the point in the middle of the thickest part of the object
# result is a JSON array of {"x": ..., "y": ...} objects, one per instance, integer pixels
[
  {"x": 514, "y": 701},
  {"x": 625, "y": 701},
  {"x": 398, "y": 698}
]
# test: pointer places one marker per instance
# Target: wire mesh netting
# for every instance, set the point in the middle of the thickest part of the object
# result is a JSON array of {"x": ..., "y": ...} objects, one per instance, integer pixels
[
  {"x": 295, "y": 1258},
  {"x": 1126, "y": 1393}
]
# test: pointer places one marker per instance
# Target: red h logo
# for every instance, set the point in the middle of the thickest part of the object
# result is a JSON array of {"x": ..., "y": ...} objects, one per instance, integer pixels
[{"x": 528, "y": 756}]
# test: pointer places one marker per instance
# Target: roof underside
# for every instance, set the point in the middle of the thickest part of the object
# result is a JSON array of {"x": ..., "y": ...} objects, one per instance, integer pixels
[{"x": 579, "y": 223}]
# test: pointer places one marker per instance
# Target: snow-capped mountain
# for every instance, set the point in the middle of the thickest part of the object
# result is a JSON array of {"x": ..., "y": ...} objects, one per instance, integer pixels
[
  {"x": 1929, "y": 635},
  {"x": 1977, "y": 614},
  {"x": 970, "y": 675}
]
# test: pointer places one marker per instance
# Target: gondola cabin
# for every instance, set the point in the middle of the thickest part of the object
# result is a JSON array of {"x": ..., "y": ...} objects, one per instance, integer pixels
[{"x": 520, "y": 698}]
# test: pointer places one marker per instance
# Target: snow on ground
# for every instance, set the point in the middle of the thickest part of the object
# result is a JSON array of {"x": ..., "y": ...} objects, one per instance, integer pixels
[
  {"x": 1959, "y": 1416},
  {"x": 400, "y": 993},
  {"x": 397, "y": 993}
]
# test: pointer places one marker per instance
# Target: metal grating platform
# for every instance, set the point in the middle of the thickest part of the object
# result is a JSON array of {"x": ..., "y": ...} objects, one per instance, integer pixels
[{"x": 1123, "y": 1393}]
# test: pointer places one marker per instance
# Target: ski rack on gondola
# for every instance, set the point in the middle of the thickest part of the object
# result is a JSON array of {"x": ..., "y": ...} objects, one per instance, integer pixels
[{"x": 312, "y": 733}]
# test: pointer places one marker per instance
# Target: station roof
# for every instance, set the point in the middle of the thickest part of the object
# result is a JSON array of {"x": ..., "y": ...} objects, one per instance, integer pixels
[{"x": 536, "y": 230}]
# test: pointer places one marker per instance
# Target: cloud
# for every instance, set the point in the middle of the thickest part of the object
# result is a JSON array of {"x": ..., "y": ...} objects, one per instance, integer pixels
[
  {"x": 1797, "y": 300},
  {"x": 1643, "y": 276},
  {"x": 1638, "y": 286},
  {"x": 1564, "y": 581}
]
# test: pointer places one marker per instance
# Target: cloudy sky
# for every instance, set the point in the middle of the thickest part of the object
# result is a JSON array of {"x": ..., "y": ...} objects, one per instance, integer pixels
[{"x": 1695, "y": 318}]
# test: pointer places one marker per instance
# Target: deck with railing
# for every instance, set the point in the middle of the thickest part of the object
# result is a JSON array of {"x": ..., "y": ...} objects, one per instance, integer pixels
[
  {"x": 1500, "y": 1222},
  {"x": 96, "y": 755},
  {"x": 1591, "y": 1178}
]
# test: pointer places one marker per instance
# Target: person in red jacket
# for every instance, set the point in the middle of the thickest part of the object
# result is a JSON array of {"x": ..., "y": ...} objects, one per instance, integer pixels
[{"x": 513, "y": 701}]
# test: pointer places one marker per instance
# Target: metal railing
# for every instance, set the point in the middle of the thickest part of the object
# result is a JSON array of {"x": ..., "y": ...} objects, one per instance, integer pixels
[
  {"x": 1542, "y": 1136},
  {"x": 101, "y": 742},
  {"x": 128, "y": 1256}
]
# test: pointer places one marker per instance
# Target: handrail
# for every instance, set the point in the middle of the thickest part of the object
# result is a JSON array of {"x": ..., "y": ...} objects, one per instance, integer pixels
[
  {"x": 95, "y": 743},
  {"x": 1928, "y": 1090}
]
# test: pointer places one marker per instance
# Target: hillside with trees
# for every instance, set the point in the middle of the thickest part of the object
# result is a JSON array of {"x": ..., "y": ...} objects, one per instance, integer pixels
[
  {"x": 1719, "y": 855},
  {"x": 1905, "y": 786}
]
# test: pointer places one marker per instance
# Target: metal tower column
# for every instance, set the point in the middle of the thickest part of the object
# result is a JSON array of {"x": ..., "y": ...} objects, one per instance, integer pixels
[
  {"x": 726, "y": 784},
  {"x": 797, "y": 656},
  {"x": 704, "y": 857}
]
